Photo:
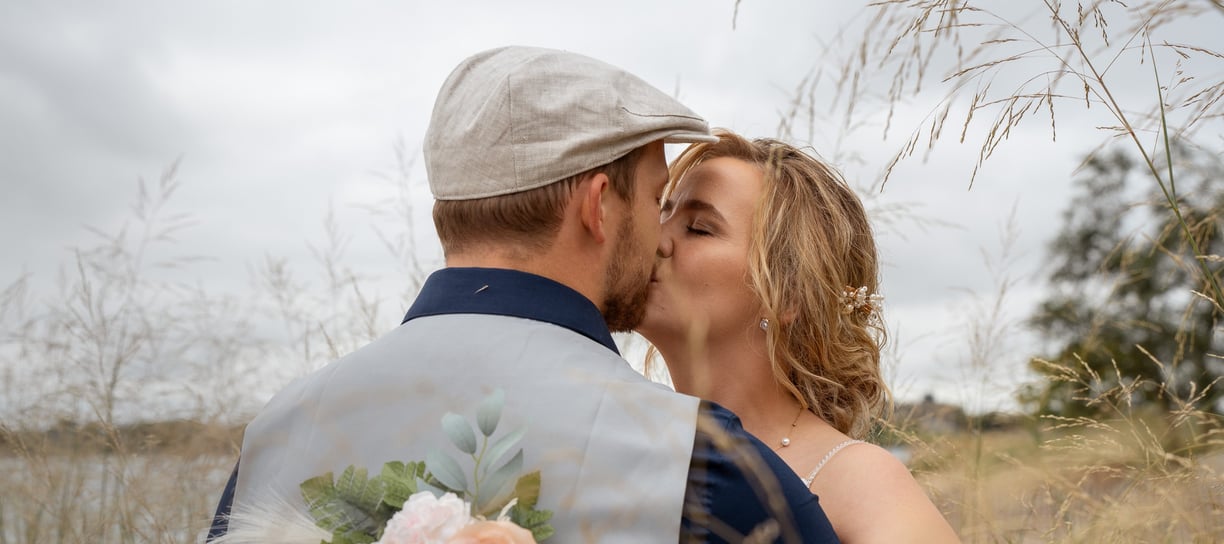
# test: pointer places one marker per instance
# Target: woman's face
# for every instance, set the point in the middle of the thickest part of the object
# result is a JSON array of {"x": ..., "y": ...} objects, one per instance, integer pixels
[{"x": 700, "y": 284}]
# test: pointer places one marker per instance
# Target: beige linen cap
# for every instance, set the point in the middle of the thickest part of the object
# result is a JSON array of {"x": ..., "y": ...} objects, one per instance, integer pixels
[{"x": 517, "y": 118}]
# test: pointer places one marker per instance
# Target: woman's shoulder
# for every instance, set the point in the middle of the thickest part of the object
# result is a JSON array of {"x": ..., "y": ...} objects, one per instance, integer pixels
[
  {"x": 871, "y": 496},
  {"x": 868, "y": 464}
]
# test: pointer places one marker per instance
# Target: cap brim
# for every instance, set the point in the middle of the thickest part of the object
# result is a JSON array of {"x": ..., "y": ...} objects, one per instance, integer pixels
[{"x": 690, "y": 138}]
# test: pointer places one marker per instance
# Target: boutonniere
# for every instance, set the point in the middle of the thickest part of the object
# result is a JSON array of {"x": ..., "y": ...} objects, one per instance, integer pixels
[{"x": 438, "y": 500}]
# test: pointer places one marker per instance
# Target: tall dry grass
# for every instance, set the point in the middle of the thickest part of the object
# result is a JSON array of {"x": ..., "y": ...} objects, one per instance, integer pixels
[
  {"x": 126, "y": 385},
  {"x": 986, "y": 70},
  {"x": 103, "y": 347},
  {"x": 121, "y": 339}
]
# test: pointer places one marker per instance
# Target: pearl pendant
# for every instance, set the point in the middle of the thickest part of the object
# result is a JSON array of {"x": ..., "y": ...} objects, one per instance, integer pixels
[{"x": 785, "y": 442}]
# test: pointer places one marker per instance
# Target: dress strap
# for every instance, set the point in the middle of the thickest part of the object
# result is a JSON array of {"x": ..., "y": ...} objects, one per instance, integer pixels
[{"x": 810, "y": 477}]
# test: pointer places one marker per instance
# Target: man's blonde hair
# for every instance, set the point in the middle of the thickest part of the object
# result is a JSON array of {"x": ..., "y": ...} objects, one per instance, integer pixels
[{"x": 810, "y": 243}]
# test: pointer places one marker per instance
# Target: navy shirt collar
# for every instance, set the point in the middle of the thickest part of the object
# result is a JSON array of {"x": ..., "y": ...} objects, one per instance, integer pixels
[{"x": 496, "y": 291}]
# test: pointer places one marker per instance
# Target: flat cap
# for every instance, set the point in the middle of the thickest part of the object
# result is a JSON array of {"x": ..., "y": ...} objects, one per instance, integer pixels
[{"x": 518, "y": 118}]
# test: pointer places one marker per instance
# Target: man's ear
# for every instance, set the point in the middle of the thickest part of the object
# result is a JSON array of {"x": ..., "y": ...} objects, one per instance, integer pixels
[{"x": 591, "y": 204}]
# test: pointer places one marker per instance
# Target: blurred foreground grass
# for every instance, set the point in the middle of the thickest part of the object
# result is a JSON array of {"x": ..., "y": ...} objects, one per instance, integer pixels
[{"x": 1098, "y": 482}]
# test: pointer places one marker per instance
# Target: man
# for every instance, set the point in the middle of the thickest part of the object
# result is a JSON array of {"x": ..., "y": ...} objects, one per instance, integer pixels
[{"x": 547, "y": 168}]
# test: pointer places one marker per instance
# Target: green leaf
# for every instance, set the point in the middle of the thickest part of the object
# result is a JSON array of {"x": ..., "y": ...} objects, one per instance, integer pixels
[
  {"x": 533, "y": 520},
  {"x": 489, "y": 412},
  {"x": 400, "y": 482},
  {"x": 362, "y": 492},
  {"x": 460, "y": 432},
  {"x": 542, "y": 532},
  {"x": 527, "y": 489},
  {"x": 351, "y": 503},
  {"x": 446, "y": 470},
  {"x": 494, "y": 485},
  {"x": 317, "y": 486},
  {"x": 317, "y": 493},
  {"x": 352, "y": 537},
  {"x": 503, "y": 445}
]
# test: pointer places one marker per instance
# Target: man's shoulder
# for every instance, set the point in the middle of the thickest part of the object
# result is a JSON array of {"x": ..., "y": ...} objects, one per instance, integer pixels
[
  {"x": 541, "y": 346},
  {"x": 431, "y": 349}
]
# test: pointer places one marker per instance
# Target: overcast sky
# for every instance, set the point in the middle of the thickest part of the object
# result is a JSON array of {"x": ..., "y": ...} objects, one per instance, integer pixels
[{"x": 280, "y": 110}]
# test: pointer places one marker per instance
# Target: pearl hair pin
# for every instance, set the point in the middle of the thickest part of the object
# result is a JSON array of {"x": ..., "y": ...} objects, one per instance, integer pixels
[{"x": 858, "y": 300}]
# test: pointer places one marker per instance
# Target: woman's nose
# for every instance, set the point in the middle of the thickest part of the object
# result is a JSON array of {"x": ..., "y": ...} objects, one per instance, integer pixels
[{"x": 665, "y": 242}]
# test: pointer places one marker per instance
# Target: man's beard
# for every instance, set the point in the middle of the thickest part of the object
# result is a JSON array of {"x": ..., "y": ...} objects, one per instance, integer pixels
[{"x": 626, "y": 289}]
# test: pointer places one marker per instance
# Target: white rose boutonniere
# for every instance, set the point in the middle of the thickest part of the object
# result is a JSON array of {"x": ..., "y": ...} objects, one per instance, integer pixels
[{"x": 426, "y": 518}]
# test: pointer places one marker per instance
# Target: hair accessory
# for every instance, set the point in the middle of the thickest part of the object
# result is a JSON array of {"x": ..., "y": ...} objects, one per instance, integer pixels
[
  {"x": 857, "y": 300},
  {"x": 516, "y": 118},
  {"x": 765, "y": 323}
]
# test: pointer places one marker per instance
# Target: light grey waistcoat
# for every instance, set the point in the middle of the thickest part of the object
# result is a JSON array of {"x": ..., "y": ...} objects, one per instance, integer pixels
[{"x": 613, "y": 448}]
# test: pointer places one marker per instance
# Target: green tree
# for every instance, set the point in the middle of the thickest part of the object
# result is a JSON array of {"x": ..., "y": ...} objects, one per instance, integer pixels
[{"x": 1124, "y": 324}]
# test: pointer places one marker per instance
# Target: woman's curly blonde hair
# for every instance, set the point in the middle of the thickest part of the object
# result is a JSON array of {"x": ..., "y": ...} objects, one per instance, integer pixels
[{"x": 811, "y": 245}]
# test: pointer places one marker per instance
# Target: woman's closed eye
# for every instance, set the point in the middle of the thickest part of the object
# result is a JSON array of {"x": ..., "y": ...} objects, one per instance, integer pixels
[{"x": 698, "y": 230}]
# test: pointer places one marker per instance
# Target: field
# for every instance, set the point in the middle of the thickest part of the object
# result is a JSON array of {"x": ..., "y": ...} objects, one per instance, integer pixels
[
  {"x": 1106, "y": 483},
  {"x": 1079, "y": 487},
  {"x": 121, "y": 380},
  {"x": 146, "y": 483}
]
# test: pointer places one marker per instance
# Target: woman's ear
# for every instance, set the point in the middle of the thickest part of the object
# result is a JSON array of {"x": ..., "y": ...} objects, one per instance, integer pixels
[
  {"x": 591, "y": 205},
  {"x": 787, "y": 315}
]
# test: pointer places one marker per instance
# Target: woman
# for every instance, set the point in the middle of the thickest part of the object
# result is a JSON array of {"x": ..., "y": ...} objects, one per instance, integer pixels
[{"x": 764, "y": 300}]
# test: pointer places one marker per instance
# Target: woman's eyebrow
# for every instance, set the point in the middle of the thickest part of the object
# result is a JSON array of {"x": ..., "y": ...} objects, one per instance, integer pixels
[{"x": 695, "y": 205}]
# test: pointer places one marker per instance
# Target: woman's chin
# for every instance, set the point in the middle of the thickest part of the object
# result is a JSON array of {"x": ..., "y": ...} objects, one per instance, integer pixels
[
  {"x": 647, "y": 327},
  {"x": 652, "y": 325}
]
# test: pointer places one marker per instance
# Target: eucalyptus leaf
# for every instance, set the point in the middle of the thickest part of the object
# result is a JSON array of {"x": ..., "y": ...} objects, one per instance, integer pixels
[
  {"x": 490, "y": 510},
  {"x": 489, "y": 412},
  {"x": 494, "y": 485},
  {"x": 446, "y": 470},
  {"x": 424, "y": 485},
  {"x": 503, "y": 445},
  {"x": 460, "y": 432}
]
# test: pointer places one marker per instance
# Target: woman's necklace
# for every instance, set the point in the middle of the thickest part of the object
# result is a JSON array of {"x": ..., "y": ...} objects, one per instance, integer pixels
[{"x": 786, "y": 439}]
